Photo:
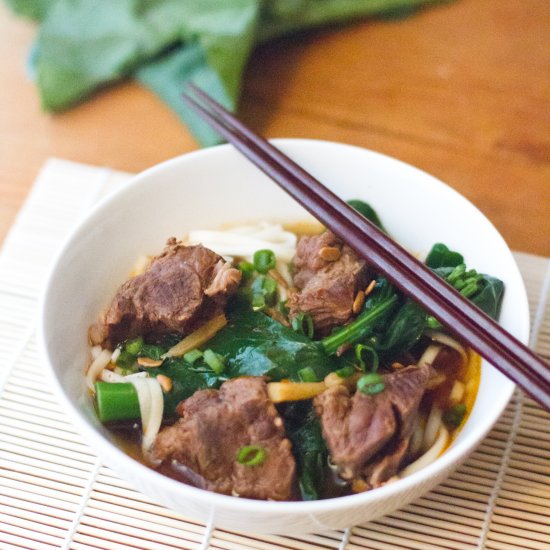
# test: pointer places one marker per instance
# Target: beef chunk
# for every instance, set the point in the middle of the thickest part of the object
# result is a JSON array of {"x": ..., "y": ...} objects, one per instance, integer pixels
[
  {"x": 327, "y": 275},
  {"x": 183, "y": 287},
  {"x": 214, "y": 425},
  {"x": 368, "y": 435}
]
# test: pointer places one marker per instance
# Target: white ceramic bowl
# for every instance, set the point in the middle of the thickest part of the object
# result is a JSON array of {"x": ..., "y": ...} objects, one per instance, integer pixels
[{"x": 207, "y": 188}]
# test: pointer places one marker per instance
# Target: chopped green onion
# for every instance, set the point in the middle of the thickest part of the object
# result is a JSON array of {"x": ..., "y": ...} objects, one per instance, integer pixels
[
  {"x": 264, "y": 292},
  {"x": 454, "y": 416},
  {"x": 192, "y": 356},
  {"x": 307, "y": 374},
  {"x": 214, "y": 360},
  {"x": 303, "y": 324},
  {"x": 371, "y": 384},
  {"x": 247, "y": 270},
  {"x": 251, "y": 455},
  {"x": 116, "y": 401},
  {"x": 366, "y": 351},
  {"x": 258, "y": 302},
  {"x": 133, "y": 347},
  {"x": 264, "y": 260},
  {"x": 345, "y": 372}
]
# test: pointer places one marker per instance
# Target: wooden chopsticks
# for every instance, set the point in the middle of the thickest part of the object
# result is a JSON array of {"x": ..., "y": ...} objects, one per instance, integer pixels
[{"x": 415, "y": 279}]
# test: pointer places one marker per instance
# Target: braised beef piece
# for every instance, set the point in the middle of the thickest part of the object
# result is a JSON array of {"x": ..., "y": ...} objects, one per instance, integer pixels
[
  {"x": 327, "y": 275},
  {"x": 368, "y": 435},
  {"x": 183, "y": 287},
  {"x": 214, "y": 426}
]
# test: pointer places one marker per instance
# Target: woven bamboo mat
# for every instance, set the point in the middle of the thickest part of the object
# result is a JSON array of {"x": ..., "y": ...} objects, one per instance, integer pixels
[{"x": 55, "y": 493}]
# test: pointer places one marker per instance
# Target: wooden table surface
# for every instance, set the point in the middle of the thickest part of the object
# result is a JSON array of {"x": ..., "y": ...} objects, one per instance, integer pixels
[{"x": 461, "y": 90}]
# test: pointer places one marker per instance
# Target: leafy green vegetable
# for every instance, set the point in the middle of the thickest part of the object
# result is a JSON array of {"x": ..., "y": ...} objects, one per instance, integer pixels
[
  {"x": 489, "y": 298},
  {"x": 84, "y": 45},
  {"x": 378, "y": 307},
  {"x": 391, "y": 324},
  {"x": 311, "y": 454},
  {"x": 186, "y": 380},
  {"x": 404, "y": 330},
  {"x": 33, "y": 9},
  {"x": 441, "y": 256},
  {"x": 257, "y": 345},
  {"x": 368, "y": 211},
  {"x": 152, "y": 351}
]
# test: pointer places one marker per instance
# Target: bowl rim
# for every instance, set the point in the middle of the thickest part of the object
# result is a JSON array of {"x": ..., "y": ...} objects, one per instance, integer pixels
[{"x": 451, "y": 457}]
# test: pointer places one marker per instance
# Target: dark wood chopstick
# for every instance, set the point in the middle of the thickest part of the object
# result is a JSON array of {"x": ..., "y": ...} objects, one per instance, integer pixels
[{"x": 473, "y": 326}]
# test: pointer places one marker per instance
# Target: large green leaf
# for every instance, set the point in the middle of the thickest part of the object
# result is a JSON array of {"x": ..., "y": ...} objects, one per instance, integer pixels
[
  {"x": 84, "y": 45},
  {"x": 256, "y": 345}
]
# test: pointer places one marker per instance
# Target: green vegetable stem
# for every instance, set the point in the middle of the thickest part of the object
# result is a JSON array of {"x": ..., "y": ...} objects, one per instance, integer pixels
[
  {"x": 116, "y": 402},
  {"x": 378, "y": 306}
]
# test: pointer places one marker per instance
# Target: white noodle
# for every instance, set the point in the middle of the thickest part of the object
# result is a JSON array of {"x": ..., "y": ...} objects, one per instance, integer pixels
[
  {"x": 151, "y": 402},
  {"x": 457, "y": 392},
  {"x": 429, "y": 456},
  {"x": 144, "y": 399},
  {"x": 114, "y": 378},
  {"x": 115, "y": 355},
  {"x": 152, "y": 424},
  {"x": 244, "y": 241},
  {"x": 98, "y": 364},
  {"x": 429, "y": 355},
  {"x": 135, "y": 376},
  {"x": 446, "y": 340},
  {"x": 433, "y": 425},
  {"x": 107, "y": 375}
]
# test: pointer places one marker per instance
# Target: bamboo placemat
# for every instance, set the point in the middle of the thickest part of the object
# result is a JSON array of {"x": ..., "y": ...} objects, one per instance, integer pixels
[{"x": 55, "y": 493}]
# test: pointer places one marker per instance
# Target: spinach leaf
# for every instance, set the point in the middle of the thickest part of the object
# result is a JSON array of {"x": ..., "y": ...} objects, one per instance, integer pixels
[
  {"x": 441, "y": 256},
  {"x": 368, "y": 211},
  {"x": 310, "y": 452},
  {"x": 404, "y": 329},
  {"x": 254, "y": 344},
  {"x": 186, "y": 381},
  {"x": 489, "y": 298}
]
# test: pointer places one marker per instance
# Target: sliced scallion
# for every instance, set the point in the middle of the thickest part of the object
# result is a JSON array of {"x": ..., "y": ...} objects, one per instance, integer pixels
[
  {"x": 118, "y": 401},
  {"x": 264, "y": 260},
  {"x": 192, "y": 356},
  {"x": 303, "y": 324},
  {"x": 371, "y": 384},
  {"x": 365, "y": 354},
  {"x": 246, "y": 269},
  {"x": 214, "y": 360},
  {"x": 251, "y": 455}
]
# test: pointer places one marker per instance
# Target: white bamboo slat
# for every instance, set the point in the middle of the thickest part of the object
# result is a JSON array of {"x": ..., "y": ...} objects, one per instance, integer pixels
[{"x": 55, "y": 494}]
